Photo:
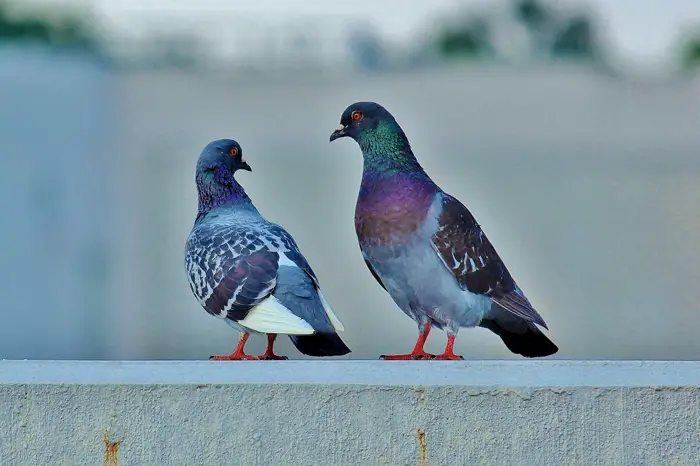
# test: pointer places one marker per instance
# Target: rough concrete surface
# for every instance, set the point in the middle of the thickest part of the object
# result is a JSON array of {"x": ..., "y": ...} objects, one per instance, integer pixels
[{"x": 349, "y": 413}]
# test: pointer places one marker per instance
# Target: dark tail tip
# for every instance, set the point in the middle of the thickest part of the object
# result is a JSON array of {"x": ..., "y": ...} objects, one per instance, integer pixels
[
  {"x": 531, "y": 343},
  {"x": 320, "y": 344}
]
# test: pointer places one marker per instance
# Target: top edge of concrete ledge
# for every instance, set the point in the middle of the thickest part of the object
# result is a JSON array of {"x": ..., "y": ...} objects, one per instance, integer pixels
[{"x": 527, "y": 373}]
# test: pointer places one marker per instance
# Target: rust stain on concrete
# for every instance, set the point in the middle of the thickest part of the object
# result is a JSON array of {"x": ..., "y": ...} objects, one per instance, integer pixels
[
  {"x": 422, "y": 447},
  {"x": 111, "y": 451}
]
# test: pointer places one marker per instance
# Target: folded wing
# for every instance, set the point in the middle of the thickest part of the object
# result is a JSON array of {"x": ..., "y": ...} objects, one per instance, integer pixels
[{"x": 471, "y": 258}]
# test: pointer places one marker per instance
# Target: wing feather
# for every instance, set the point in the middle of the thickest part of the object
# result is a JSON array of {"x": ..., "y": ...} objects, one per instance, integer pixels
[
  {"x": 471, "y": 258},
  {"x": 233, "y": 273},
  {"x": 230, "y": 272}
]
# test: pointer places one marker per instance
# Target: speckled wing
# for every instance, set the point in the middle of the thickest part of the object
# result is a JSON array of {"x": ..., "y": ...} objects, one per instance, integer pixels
[
  {"x": 230, "y": 270},
  {"x": 473, "y": 261}
]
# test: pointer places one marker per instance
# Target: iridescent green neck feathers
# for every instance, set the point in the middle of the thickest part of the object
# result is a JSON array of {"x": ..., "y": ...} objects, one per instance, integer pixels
[{"x": 385, "y": 148}]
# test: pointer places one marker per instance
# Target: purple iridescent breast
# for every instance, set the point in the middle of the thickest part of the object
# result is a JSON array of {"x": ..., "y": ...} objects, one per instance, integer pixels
[{"x": 389, "y": 208}]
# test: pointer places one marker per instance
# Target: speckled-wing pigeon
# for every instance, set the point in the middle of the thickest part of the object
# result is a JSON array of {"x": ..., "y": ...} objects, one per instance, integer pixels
[
  {"x": 250, "y": 272},
  {"x": 427, "y": 250}
]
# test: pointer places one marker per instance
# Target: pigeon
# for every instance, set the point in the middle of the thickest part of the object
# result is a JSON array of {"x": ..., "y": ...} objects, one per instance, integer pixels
[
  {"x": 250, "y": 272},
  {"x": 426, "y": 249}
]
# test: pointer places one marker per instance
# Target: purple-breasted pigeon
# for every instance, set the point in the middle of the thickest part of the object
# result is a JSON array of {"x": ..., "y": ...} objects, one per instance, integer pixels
[{"x": 427, "y": 250}]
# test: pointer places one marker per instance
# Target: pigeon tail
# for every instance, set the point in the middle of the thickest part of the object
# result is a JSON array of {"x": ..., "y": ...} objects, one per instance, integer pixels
[
  {"x": 320, "y": 344},
  {"x": 519, "y": 335},
  {"x": 297, "y": 291}
]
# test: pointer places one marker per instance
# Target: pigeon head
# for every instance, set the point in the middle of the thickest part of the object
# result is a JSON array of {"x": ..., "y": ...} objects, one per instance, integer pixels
[
  {"x": 364, "y": 118},
  {"x": 384, "y": 145},
  {"x": 224, "y": 156},
  {"x": 214, "y": 175}
]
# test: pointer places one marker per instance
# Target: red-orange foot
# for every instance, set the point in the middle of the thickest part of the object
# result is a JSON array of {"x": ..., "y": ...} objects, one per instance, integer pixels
[
  {"x": 238, "y": 354},
  {"x": 235, "y": 357},
  {"x": 408, "y": 357},
  {"x": 269, "y": 354},
  {"x": 417, "y": 353},
  {"x": 449, "y": 354}
]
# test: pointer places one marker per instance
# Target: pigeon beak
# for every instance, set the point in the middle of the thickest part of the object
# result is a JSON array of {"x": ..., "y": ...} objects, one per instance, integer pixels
[
  {"x": 245, "y": 166},
  {"x": 338, "y": 133}
]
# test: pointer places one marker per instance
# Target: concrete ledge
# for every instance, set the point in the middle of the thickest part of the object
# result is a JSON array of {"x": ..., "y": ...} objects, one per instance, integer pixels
[{"x": 349, "y": 413}]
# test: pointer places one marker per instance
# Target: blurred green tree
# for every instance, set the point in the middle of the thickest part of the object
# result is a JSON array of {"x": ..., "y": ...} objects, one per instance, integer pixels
[
  {"x": 690, "y": 52},
  {"x": 534, "y": 14},
  {"x": 565, "y": 36},
  {"x": 470, "y": 39},
  {"x": 575, "y": 39},
  {"x": 68, "y": 31}
]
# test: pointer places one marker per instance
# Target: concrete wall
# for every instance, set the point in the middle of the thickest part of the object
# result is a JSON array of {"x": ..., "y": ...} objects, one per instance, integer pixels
[{"x": 350, "y": 412}]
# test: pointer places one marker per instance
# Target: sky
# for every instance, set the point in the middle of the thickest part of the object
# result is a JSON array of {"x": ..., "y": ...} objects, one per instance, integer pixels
[{"x": 641, "y": 33}]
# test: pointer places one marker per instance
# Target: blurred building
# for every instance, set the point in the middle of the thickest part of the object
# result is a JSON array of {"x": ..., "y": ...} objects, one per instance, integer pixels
[{"x": 57, "y": 120}]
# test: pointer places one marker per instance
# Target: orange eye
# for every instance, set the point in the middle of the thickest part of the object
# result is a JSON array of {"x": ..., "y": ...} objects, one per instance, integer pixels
[
  {"x": 356, "y": 116},
  {"x": 233, "y": 152}
]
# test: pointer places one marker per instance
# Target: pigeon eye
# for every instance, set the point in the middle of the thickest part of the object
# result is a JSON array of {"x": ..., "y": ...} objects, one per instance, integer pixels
[
  {"x": 356, "y": 116},
  {"x": 233, "y": 152}
]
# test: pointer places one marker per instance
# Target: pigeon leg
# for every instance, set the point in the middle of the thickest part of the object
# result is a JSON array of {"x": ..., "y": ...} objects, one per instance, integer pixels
[
  {"x": 239, "y": 354},
  {"x": 418, "y": 351},
  {"x": 269, "y": 353},
  {"x": 449, "y": 353}
]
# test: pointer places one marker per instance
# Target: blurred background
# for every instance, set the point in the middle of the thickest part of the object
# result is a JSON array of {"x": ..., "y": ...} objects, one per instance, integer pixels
[{"x": 570, "y": 129}]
